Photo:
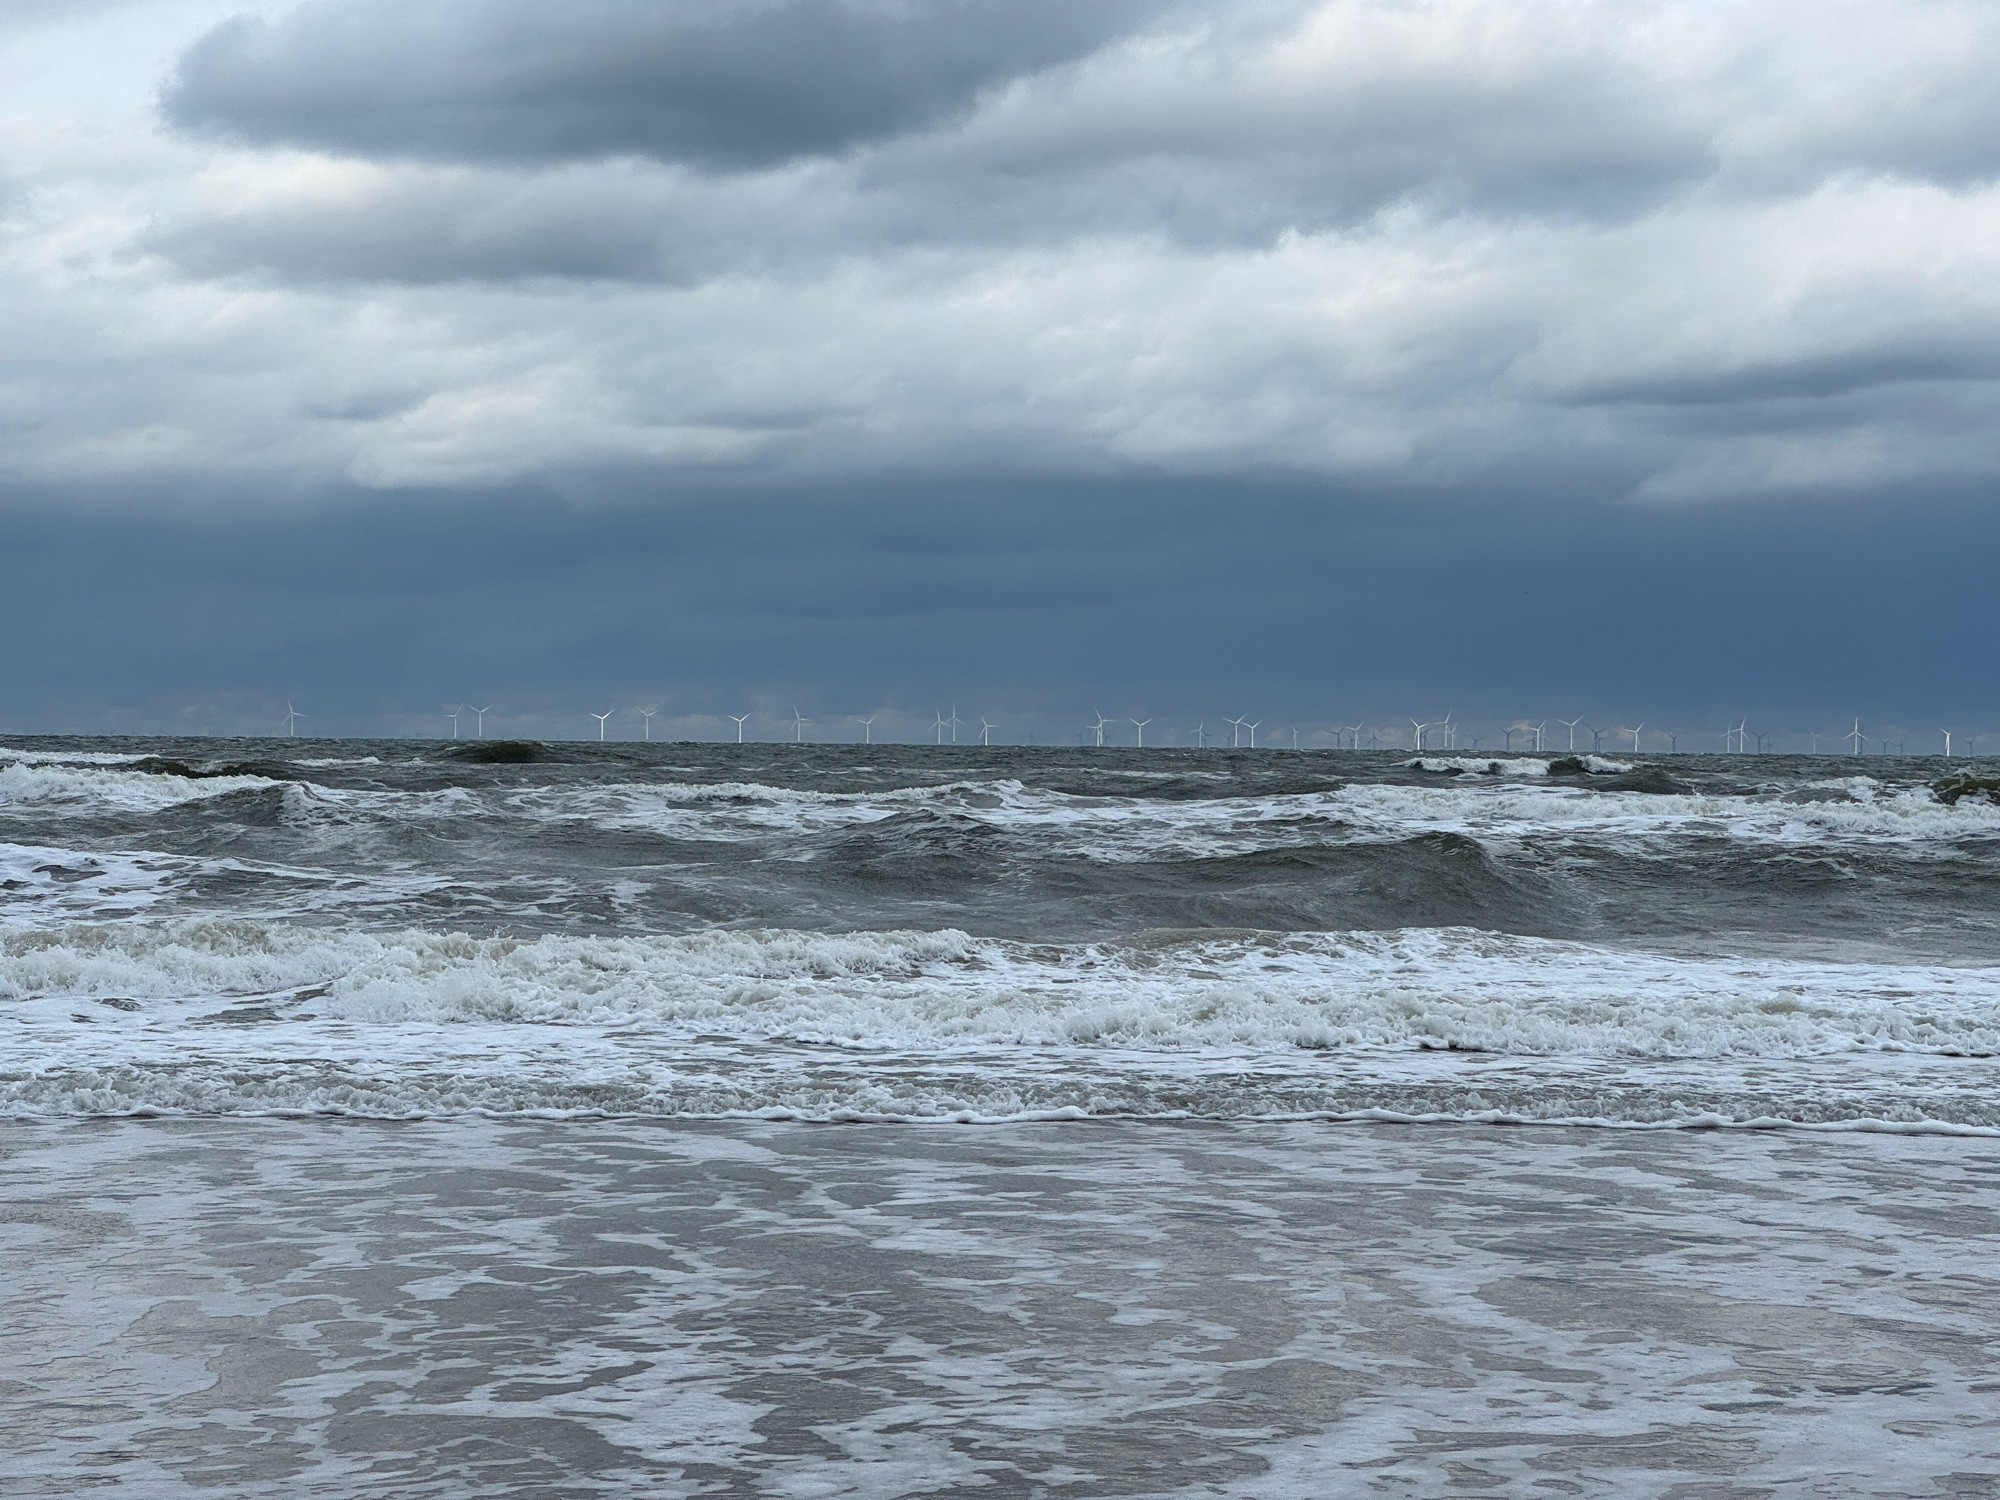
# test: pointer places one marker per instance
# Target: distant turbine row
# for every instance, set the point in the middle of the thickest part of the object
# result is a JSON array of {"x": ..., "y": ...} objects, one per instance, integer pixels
[{"x": 1737, "y": 738}]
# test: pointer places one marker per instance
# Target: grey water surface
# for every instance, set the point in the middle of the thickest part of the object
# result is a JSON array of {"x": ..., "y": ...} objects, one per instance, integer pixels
[
  {"x": 656, "y": 1308},
  {"x": 392, "y": 1118}
]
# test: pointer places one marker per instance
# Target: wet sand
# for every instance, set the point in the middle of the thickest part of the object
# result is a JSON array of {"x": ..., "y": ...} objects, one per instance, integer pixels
[{"x": 453, "y": 1308}]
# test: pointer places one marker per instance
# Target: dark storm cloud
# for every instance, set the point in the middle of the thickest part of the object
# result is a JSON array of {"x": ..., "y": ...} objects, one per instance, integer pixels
[
  {"x": 716, "y": 83},
  {"x": 1208, "y": 135},
  {"x": 1051, "y": 596}
]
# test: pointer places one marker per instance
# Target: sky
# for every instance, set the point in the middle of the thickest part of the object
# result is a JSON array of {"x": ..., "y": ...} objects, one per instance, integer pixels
[{"x": 1331, "y": 360}]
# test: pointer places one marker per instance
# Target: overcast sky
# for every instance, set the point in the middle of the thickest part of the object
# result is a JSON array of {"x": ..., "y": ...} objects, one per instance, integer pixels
[{"x": 1354, "y": 355}]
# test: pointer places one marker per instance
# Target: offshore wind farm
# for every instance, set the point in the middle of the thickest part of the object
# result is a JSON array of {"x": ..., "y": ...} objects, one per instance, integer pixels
[{"x": 1390, "y": 733}]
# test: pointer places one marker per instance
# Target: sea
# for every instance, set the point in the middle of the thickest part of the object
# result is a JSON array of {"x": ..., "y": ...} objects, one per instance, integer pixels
[{"x": 563, "y": 1119}]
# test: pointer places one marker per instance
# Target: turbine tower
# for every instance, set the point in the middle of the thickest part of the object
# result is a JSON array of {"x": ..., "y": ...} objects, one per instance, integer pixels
[
  {"x": 1140, "y": 725},
  {"x": 602, "y": 720},
  {"x": 738, "y": 721}
]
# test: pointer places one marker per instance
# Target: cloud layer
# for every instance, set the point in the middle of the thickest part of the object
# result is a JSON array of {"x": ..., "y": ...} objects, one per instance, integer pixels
[
  {"x": 725, "y": 84},
  {"x": 1675, "y": 252}
]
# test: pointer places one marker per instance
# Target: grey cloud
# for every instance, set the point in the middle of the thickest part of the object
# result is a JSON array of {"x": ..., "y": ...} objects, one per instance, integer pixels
[
  {"x": 1814, "y": 376},
  {"x": 1095, "y": 153},
  {"x": 716, "y": 83},
  {"x": 434, "y": 228}
]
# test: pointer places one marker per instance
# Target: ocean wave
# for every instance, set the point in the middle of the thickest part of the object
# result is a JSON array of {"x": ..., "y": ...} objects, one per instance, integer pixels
[
  {"x": 344, "y": 1077},
  {"x": 1515, "y": 765},
  {"x": 1450, "y": 988},
  {"x": 102, "y": 788}
]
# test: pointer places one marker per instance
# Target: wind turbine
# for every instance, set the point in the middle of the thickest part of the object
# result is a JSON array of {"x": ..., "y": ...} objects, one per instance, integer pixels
[
  {"x": 1856, "y": 737},
  {"x": 738, "y": 721},
  {"x": 1419, "y": 732},
  {"x": 1140, "y": 725},
  {"x": 1295, "y": 736},
  {"x": 292, "y": 717},
  {"x": 474, "y": 708},
  {"x": 1634, "y": 732},
  {"x": 602, "y": 720},
  {"x": 799, "y": 722},
  {"x": 1947, "y": 742},
  {"x": 1252, "y": 730},
  {"x": 1538, "y": 735},
  {"x": 1507, "y": 740},
  {"x": 986, "y": 730},
  {"x": 938, "y": 727},
  {"x": 954, "y": 721},
  {"x": 1570, "y": 725},
  {"x": 868, "y": 727},
  {"x": 1201, "y": 735},
  {"x": 1099, "y": 727},
  {"x": 1813, "y": 735},
  {"x": 1355, "y": 730},
  {"x": 1235, "y": 732},
  {"x": 451, "y": 711},
  {"x": 647, "y": 715},
  {"x": 1450, "y": 731}
]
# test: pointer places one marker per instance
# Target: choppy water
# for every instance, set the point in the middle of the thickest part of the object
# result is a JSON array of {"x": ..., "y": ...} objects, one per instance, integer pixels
[
  {"x": 389, "y": 1120},
  {"x": 400, "y": 930}
]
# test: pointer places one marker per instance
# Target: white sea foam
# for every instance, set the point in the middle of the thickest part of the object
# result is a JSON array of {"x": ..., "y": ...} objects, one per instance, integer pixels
[
  {"x": 96, "y": 789},
  {"x": 66, "y": 757},
  {"x": 41, "y": 885},
  {"x": 1454, "y": 988},
  {"x": 1515, "y": 808}
]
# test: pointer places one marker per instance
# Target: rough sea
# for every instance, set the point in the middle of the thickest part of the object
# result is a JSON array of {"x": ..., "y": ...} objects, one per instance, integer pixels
[{"x": 434, "y": 1119}]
